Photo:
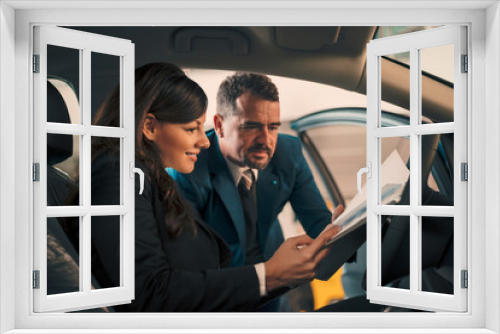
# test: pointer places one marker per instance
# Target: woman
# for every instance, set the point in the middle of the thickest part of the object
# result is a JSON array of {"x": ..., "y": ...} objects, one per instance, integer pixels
[{"x": 178, "y": 258}]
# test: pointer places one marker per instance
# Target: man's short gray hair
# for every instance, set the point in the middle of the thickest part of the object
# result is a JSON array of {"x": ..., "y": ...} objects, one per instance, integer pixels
[{"x": 239, "y": 83}]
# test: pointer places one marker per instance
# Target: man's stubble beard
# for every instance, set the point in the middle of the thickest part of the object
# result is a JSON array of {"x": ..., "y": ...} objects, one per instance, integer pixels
[{"x": 256, "y": 165}]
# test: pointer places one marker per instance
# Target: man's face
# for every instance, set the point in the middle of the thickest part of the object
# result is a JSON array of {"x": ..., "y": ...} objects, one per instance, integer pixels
[{"x": 249, "y": 137}]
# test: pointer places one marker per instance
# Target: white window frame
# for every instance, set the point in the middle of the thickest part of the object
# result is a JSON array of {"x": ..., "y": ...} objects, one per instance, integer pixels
[
  {"x": 483, "y": 20},
  {"x": 414, "y": 296},
  {"x": 85, "y": 44}
]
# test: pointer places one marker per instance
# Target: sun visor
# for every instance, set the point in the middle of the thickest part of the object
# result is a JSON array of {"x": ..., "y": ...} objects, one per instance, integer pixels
[{"x": 305, "y": 38}]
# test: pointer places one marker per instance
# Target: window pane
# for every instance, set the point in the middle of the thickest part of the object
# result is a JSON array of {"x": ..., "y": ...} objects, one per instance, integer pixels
[
  {"x": 64, "y": 84},
  {"x": 63, "y": 167},
  {"x": 435, "y": 171},
  {"x": 101, "y": 178},
  {"x": 394, "y": 172},
  {"x": 106, "y": 254},
  {"x": 396, "y": 82},
  {"x": 446, "y": 151},
  {"x": 105, "y": 73},
  {"x": 438, "y": 60},
  {"x": 396, "y": 252},
  {"x": 63, "y": 265},
  {"x": 437, "y": 254}
]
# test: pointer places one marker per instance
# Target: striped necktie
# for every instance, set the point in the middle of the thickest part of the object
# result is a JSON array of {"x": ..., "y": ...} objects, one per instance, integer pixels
[
  {"x": 247, "y": 178},
  {"x": 247, "y": 192}
]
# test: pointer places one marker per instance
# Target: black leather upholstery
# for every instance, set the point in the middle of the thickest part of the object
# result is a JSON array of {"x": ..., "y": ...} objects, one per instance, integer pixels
[{"x": 59, "y": 147}]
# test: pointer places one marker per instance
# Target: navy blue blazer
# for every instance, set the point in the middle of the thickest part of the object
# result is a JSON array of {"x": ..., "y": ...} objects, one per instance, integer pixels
[{"x": 210, "y": 187}]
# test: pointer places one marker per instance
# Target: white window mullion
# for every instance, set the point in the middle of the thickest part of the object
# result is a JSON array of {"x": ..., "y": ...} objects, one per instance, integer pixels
[
  {"x": 414, "y": 139},
  {"x": 67, "y": 129},
  {"x": 103, "y": 131},
  {"x": 396, "y": 131},
  {"x": 415, "y": 169},
  {"x": 80, "y": 130},
  {"x": 85, "y": 180},
  {"x": 81, "y": 162},
  {"x": 435, "y": 128},
  {"x": 66, "y": 211},
  {"x": 434, "y": 211},
  {"x": 404, "y": 131},
  {"x": 81, "y": 88},
  {"x": 123, "y": 178},
  {"x": 85, "y": 249},
  {"x": 109, "y": 210},
  {"x": 81, "y": 167},
  {"x": 75, "y": 211},
  {"x": 424, "y": 211}
]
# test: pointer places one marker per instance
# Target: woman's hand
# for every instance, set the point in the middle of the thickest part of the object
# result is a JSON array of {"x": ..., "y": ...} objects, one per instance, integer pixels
[
  {"x": 338, "y": 210},
  {"x": 295, "y": 261}
]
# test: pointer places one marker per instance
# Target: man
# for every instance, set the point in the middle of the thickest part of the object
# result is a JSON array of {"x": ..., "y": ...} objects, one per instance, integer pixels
[{"x": 243, "y": 181}]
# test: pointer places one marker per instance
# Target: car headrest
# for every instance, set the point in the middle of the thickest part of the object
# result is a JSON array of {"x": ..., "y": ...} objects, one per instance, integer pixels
[{"x": 59, "y": 147}]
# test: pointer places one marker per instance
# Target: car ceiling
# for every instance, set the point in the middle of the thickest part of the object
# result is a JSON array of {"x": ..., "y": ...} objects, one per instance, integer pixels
[{"x": 330, "y": 55}]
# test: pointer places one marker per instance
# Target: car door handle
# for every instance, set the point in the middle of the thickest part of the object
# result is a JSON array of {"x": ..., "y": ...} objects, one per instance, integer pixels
[
  {"x": 368, "y": 171},
  {"x": 141, "y": 175}
]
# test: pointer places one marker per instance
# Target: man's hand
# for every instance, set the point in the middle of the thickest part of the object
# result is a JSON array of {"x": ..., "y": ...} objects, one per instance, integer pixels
[{"x": 296, "y": 260}]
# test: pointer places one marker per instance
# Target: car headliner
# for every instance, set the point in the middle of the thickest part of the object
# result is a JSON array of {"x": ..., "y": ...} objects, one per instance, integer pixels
[{"x": 330, "y": 55}]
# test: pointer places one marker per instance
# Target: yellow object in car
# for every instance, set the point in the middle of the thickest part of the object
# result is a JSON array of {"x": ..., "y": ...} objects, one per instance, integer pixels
[{"x": 326, "y": 292}]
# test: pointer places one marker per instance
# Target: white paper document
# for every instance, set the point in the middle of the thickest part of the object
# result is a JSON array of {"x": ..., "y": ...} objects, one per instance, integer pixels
[{"x": 354, "y": 215}]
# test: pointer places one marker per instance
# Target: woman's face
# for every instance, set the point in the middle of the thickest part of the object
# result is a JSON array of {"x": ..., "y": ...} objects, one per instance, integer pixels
[{"x": 180, "y": 143}]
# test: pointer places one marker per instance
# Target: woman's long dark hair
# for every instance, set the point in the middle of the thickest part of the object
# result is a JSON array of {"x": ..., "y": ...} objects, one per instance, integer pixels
[{"x": 165, "y": 91}]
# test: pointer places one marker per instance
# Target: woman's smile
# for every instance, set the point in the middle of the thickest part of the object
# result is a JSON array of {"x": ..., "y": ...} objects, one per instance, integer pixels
[{"x": 178, "y": 141}]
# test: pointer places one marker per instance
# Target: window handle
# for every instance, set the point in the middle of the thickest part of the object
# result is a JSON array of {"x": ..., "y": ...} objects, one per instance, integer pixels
[
  {"x": 141, "y": 175},
  {"x": 368, "y": 171}
]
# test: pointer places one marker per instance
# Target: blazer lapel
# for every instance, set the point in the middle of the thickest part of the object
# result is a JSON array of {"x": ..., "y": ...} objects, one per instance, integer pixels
[{"x": 224, "y": 186}]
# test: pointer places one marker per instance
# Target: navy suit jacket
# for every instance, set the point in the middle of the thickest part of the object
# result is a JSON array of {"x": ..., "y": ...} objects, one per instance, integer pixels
[{"x": 210, "y": 187}]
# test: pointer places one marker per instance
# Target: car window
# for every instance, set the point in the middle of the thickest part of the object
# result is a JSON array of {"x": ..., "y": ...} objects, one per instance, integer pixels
[{"x": 343, "y": 149}]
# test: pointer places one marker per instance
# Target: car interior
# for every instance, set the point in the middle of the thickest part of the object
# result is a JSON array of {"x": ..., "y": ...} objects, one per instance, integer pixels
[{"x": 331, "y": 56}]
